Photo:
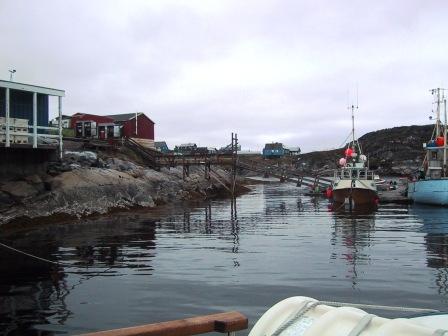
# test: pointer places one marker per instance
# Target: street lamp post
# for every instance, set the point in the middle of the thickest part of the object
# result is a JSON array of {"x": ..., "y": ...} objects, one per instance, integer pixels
[{"x": 11, "y": 74}]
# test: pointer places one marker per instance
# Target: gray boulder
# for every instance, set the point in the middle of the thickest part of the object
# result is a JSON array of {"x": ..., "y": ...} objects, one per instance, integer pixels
[{"x": 19, "y": 189}]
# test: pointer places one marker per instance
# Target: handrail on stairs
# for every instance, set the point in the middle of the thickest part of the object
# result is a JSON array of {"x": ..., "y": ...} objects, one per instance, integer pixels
[{"x": 145, "y": 152}]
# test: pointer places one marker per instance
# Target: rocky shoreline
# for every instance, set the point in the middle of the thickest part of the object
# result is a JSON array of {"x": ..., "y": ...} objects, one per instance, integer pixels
[{"x": 78, "y": 189}]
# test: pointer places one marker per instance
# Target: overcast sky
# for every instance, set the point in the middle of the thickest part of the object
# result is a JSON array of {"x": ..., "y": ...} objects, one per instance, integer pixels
[{"x": 201, "y": 69}]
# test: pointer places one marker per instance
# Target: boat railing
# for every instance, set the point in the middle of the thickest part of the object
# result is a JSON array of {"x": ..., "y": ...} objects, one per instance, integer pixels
[
  {"x": 435, "y": 164},
  {"x": 360, "y": 174}
]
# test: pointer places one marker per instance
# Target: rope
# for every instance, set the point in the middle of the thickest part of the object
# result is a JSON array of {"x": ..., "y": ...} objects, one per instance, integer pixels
[
  {"x": 339, "y": 207},
  {"x": 33, "y": 256},
  {"x": 390, "y": 308},
  {"x": 345, "y": 141},
  {"x": 302, "y": 311},
  {"x": 362, "y": 324},
  {"x": 49, "y": 261}
]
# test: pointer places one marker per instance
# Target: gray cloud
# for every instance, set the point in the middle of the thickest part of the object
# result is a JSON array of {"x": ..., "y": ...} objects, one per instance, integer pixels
[{"x": 268, "y": 70}]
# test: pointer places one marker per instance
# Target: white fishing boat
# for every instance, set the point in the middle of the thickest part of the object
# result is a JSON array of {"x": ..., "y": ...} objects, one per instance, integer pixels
[
  {"x": 378, "y": 180},
  {"x": 353, "y": 182},
  {"x": 304, "y": 316},
  {"x": 431, "y": 186}
]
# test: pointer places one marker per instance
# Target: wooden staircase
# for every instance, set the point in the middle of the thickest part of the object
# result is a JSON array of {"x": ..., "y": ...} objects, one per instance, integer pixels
[{"x": 148, "y": 155}]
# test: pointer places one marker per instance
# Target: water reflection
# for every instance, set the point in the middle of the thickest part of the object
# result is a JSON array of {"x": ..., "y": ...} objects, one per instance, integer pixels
[
  {"x": 220, "y": 221},
  {"x": 34, "y": 292},
  {"x": 299, "y": 203},
  {"x": 435, "y": 227},
  {"x": 245, "y": 254},
  {"x": 31, "y": 302},
  {"x": 235, "y": 229},
  {"x": 351, "y": 236}
]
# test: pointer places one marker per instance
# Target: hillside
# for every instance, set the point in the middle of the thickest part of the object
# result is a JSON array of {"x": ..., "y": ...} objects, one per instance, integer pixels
[{"x": 392, "y": 151}]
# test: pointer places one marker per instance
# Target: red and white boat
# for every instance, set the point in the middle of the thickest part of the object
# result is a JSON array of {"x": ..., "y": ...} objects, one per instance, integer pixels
[{"x": 353, "y": 182}]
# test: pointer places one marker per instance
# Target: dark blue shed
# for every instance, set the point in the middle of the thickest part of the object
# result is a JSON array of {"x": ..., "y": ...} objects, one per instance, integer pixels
[
  {"x": 21, "y": 106},
  {"x": 273, "y": 150}
]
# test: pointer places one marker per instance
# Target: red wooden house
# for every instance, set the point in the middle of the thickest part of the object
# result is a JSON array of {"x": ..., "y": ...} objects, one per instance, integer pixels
[
  {"x": 89, "y": 125},
  {"x": 89, "y": 117},
  {"x": 136, "y": 126}
]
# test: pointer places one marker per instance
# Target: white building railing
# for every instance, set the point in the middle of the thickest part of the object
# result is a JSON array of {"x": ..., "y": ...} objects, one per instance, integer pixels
[{"x": 8, "y": 126}]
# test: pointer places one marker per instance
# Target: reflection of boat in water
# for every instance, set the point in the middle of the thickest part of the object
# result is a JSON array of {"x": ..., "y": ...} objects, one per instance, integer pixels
[
  {"x": 435, "y": 228},
  {"x": 432, "y": 184},
  {"x": 351, "y": 234},
  {"x": 354, "y": 183}
]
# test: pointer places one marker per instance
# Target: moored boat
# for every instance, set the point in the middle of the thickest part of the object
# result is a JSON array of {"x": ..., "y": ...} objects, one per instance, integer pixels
[
  {"x": 353, "y": 182},
  {"x": 378, "y": 180},
  {"x": 431, "y": 184}
]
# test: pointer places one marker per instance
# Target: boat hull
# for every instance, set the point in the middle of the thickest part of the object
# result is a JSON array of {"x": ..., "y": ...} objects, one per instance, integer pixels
[
  {"x": 434, "y": 192},
  {"x": 359, "y": 192},
  {"x": 358, "y": 196}
]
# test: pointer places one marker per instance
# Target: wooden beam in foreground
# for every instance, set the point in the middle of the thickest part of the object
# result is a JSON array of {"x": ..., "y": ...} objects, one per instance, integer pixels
[{"x": 223, "y": 322}]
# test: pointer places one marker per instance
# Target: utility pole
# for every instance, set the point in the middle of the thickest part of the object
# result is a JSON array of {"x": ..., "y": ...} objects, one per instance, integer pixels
[{"x": 234, "y": 161}]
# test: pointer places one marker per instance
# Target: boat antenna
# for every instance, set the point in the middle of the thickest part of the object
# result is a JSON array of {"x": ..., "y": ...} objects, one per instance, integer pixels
[
  {"x": 353, "y": 107},
  {"x": 348, "y": 99},
  {"x": 353, "y": 124}
]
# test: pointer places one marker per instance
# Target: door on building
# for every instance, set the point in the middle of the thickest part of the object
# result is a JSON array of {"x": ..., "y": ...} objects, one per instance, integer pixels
[
  {"x": 87, "y": 129},
  {"x": 110, "y": 131},
  {"x": 79, "y": 129},
  {"x": 102, "y": 132}
]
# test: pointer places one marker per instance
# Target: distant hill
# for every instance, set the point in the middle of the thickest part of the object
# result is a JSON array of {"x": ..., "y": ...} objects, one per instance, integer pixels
[{"x": 392, "y": 151}]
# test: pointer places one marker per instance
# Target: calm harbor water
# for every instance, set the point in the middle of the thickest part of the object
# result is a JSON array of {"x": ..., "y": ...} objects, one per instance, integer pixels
[{"x": 143, "y": 267}]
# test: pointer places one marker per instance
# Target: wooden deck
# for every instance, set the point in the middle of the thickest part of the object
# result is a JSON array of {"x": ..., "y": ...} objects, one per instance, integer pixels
[{"x": 30, "y": 146}]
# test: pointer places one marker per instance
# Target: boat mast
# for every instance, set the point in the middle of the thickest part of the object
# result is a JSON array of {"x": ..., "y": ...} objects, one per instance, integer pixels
[
  {"x": 438, "y": 113},
  {"x": 353, "y": 126},
  {"x": 355, "y": 143}
]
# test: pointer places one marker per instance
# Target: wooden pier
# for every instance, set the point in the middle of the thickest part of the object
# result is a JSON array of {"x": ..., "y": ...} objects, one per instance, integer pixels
[
  {"x": 229, "y": 159},
  {"x": 234, "y": 162},
  {"x": 393, "y": 196}
]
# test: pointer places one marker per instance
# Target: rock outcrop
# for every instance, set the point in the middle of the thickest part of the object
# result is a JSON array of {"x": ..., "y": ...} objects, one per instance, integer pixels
[
  {"x": 79, "y": 190},
  {"x": 391, "y": 151}
]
